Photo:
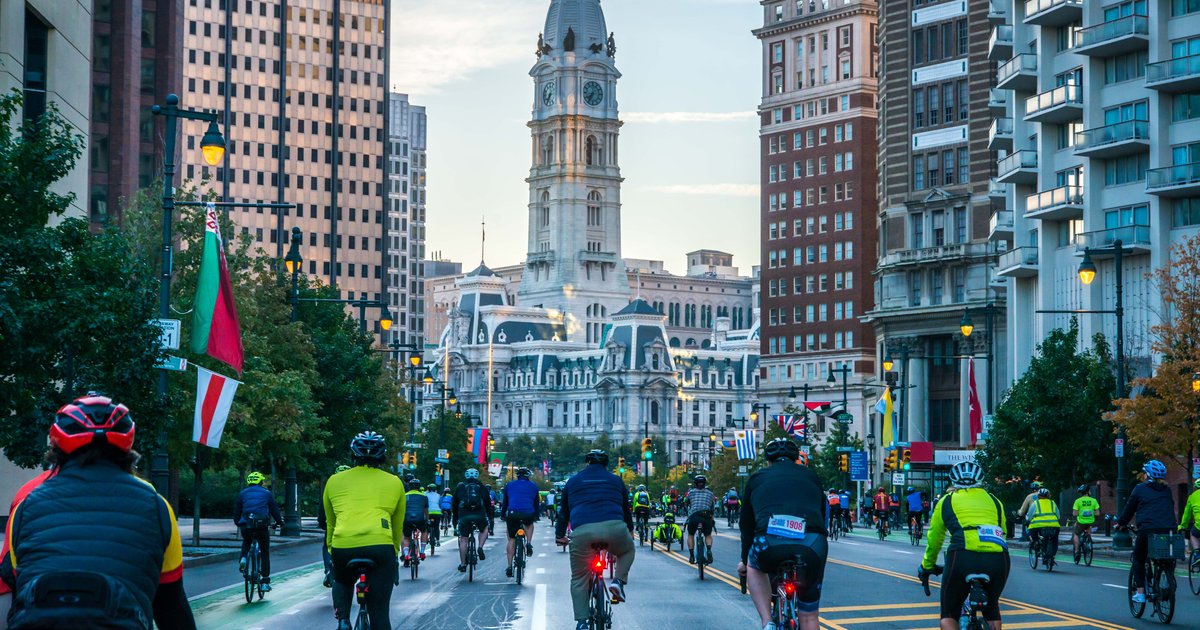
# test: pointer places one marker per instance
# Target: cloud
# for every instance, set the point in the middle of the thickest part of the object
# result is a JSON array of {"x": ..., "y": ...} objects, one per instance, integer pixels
[
  {"x": 686, "y": 117},
  {"x": 722, "y": 190},
  {"x": 438, "y": 43}
]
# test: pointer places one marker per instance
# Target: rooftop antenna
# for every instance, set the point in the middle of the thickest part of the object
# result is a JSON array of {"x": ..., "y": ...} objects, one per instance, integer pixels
[
  {"x": 482, "y": 238},
  {"x": 639, "y": 283}
]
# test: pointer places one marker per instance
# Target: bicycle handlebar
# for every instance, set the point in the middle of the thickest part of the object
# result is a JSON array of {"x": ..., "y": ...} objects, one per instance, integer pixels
[{"x": 924, "y": 575}]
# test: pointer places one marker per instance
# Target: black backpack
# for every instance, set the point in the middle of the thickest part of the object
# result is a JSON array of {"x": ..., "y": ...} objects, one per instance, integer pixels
[
  {"x": 474, "y": 495},
  {"x": 68, "y": 600}
]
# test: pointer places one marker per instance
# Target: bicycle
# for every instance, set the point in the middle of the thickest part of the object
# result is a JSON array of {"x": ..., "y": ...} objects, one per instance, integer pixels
[
  {"x": 915, "y": 531},
  {"x": 1086, "y": 547},
  {"x": 1194, "y": 571},
  {"x": 643, "y": 528},
  {"x": 834, "y": 527},
  {"x": 253, "y": 572},
  {"x": 732, "y": 516},
  {"x": 599, "y": 603},
  {"x": 472, "y": 554},
  {"x": 671, "y": 540},
  {"x": 361, "y": 589},
  {"x": 414, "y": 560},
  {"x": 1162, "y": 551},
  {"x": 435, "y": 538},
  {"x": 701, "y": 550},
  {"x": 519, "y": 556},
  {"x": 975, "y": 603},
  {"x": 881, "y": 527},
  {"x": 1039, "y": 549},
  {"x": 786, "y": 586}
]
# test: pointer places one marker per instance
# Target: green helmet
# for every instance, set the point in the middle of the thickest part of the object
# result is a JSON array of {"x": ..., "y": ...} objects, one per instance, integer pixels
[
  {"x": 341, "y": 468},
  {"x": 254, "y": 478}
]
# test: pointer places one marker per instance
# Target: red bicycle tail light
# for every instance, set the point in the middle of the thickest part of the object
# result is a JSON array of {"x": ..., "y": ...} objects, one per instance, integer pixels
[
  {"x": 598, "y": 565},
  {"x": 789, "y": 588}
]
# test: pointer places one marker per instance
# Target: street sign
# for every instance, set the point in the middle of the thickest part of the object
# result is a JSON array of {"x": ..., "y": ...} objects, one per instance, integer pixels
[
  {"x": 843, "y": 416},
  {"x": 741, "y": 469},
  {"x": 845, "y": 449},
  {"x": 443, "y": 453},
  {"x": 1196, "y": 467},
  {"x": 858, "y": 466},
  {"x": 170, "y": 333},
  {"x": 898, "y": 478},
  {"x": 437, "y": 479},
  {"x": 176, "y": 364},
  {"x": 1120, "y": 447},
  {"x": 441, "y": 460},
  {"x": 414, "y": 445}
]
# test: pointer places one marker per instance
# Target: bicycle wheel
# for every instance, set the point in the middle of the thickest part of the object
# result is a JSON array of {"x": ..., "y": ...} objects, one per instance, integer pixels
[
  {"x": 1136, "y": 609},
  {"x": 1087, "y": 551},
  {"x": 414, "y": 563},
  {"x": 1194, "y": 572},
  {"x": 1034, "y": 551},
  {"x": 251, "y": 572},
  {"x": 362, "y": 622},
  {"x": 1164, "y": 586},
  {"x": 519, "y": 560},
  {"x": 471, "y": 558}
]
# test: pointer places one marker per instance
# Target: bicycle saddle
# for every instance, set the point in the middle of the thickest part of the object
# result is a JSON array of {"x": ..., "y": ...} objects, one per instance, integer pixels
[
  {"x": 982, "y": 577},
  {"x": 360, "y": 564}
]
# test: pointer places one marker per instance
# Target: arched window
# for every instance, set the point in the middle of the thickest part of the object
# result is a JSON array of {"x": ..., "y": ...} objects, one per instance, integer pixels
[
  {"x": 594, "y": 216},
  {"x": 594, "y": 154},
  {"x": 589, "y": 149},
  {"x": 654, "y": 412},
  {"x": 544, "y": 209},
  {"x": 547, "y": 149}
]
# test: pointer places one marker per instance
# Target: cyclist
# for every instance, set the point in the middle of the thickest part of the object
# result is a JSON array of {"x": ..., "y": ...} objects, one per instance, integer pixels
[
  {"x": 1084, "y": 510},
  {"x": 435, "y": 506},
  {"x": 416, "y": 519},
  {"x": 700, "y": 502},
  {"x": 551, "y": 500},
  {"x": 915, "y": 503},
  {"x": 471, "y": 511},
  {"x": 1029, "y": 499},
  {"x": 783, "y": 517},
  {"x": 1190, "y": 523},
  {"x": 520, "y": 508},
  {"x": 974, "y": 520},
  {"x": 250, "y": 513},
  {"x": 596, "y": 507},
  {"x": 1152, "y": 506},
  {"x": 882, "y": 503},
  {"x": 641, "y": 505},
  {"x": 447, "y": 500},
  {"x": 96, "y": 530},
  {"x": 845, "y": 511},
  {"x": 668, "y": 532},
  {"x": 732, "y": 502},
  {"x": 835, "y": 508},
  {"x": 323, "y": 525},
  {"x": 363, "y": 506},
  {"x": 1043, "y": 522}
]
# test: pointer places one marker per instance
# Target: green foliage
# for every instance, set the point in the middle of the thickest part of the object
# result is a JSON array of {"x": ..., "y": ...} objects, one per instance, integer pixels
[
  {"x": 1052, "y": 424},
  {"x": 824, "y": 458},
  {"x": 74, "y": 307}
]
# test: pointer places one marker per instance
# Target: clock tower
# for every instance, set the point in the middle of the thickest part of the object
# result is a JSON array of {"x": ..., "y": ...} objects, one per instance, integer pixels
[{"x": 574, "y": 262}]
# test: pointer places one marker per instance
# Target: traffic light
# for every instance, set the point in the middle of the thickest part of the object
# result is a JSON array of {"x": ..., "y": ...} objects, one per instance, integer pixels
[
  {"x": 647, "y": 449},
  {"x": 621, "y": 465},
  {"x": 412, "y": 461},
  {"x": 844, "y": 462},
  {"x": 437, "y": 469},
  {"x": 906, "y": 459},
  {"x": 890, "y": 463}
]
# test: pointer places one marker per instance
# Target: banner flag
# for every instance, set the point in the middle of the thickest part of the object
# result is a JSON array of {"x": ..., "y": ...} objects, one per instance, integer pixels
[{"x": 214, "y": 397}]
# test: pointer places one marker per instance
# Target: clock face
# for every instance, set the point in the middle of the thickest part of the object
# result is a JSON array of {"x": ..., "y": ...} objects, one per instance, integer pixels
[
  {"x": 593, "y": 94},
  {"x": 548, "y": 94}
]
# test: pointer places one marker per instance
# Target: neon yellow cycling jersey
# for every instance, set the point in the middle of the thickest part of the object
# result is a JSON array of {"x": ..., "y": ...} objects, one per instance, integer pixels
[
  {"x": 1043, "y": 513},
  {"x": 1191, "y": 512},
  {"x": 972, "y": 517},
  {"x": 1085, "y": 508},
  {"x": 364, "y": 506}
]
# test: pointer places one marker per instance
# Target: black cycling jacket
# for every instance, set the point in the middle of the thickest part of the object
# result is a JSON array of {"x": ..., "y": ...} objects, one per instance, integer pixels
[
  {"x": 1151, "y": 505},
  {"x": 782, "y": 488}
]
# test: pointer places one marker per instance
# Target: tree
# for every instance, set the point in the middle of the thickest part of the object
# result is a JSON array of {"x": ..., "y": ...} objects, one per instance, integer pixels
[
  {"x": 75, "y": 308},
  {"x": 1053, "y": 423},
  {"x": 1163, "y": 420},
  {"x": 824, "y": 459}
]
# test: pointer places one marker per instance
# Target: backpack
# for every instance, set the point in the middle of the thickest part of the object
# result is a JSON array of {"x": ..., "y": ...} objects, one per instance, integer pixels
[
  {"x": 474, "y": 494},
  {"x": 68, "y": 600}
]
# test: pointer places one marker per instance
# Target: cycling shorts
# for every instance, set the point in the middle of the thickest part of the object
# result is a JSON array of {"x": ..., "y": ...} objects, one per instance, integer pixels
[
  {"x": 955, "y": 589},
  {"x": 702, "y": 520},
  {"x": 420, "y": 525},
  {"x": 642, "y": 510},
  {"x": 768, "y": 552},
  {"x": 1193, "y": 532},
  {"x": 1079, "y": 527},
  {"x": 468, "y": 523},
  {"x": 517, "y": 520}
]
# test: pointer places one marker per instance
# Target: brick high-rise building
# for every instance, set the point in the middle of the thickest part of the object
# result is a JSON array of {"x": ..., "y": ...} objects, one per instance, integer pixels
[
  {"x": 298, "y": 118},
  {"x": 818, "y": 202}
]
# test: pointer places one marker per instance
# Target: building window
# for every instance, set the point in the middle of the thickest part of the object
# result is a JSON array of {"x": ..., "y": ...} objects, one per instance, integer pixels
[
  {"x": 1186, "y": 212},
  {"x": 37, "y": 41},
  {"x": 918, "y": 172},
  {"x": 1125, "y": 67},
  {"x": 914, "y": 283},
  {"x": 1125, "y": 170},
  {"x": 595, "y": 218},
  {"x": 1185, "y": 107}
]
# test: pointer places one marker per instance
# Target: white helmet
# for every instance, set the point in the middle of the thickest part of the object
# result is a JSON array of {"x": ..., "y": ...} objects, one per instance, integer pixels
[
  {"x": 966, "y": 475},
  {"x": 471, "y": 473}
]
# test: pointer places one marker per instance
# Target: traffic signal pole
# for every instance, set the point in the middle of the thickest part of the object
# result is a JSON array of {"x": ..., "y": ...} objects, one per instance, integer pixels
[{"x": 646, "y": 455}]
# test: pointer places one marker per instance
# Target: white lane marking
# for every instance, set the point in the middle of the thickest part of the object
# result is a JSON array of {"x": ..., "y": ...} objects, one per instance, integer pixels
[
  {"x": 239, "y": 584},
  {"x": 1120, "y": 586},
  {"x": 846, "y": 542},
  {"x": 539, "y": 607},
  {"x": 907, "y": 553},
  {"x": 294, "y": 611},
  {"x": 541, "y": 555},
  {"x": 540, "y": 570}
]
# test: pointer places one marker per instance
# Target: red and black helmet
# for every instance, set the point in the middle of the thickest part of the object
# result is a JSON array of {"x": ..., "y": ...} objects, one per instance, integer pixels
[{"x": 89, "y": 419}]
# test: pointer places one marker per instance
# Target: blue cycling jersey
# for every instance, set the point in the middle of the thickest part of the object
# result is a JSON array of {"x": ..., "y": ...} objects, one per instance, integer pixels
[{"x": 915, "y": 504}]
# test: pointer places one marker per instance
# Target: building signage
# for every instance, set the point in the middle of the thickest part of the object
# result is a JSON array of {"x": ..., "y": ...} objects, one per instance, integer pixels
[
  {"x": 858, "y": 466},
  {"x": 950, "y": 458}
]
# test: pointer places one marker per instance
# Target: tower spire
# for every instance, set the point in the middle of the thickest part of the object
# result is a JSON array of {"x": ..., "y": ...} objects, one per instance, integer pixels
[{"x": 482, "y": 238}]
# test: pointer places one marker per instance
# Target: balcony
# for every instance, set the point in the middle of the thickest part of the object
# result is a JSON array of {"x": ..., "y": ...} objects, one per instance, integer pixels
[
  {"x": 1136, "y": 237},
  {"x": 1019, "y": 262},
  {"x": 997, "y": 101},
  {"x": 936, "y": 254},
  {"x": 1113, "y": 38},
  {"x": 1056, "y": 204},
  {"x": 1181, "y": 180},
  {"x": 996, "y": 190},
  {"x": 1053, "y": 12},
  {"x": 1019, "y": 167},
  {"x": 1018, "y": 73},
  {"x": 1174, "y": 75},
  {"x": 1000, "y": 226},
  {"x": 998, "y": 11},
  {"x": 1117, "y": 139},
  {"x": 1062, "y": 104},
  {"x": 1000, "y": 46},
  {"x": 1000, "y": 135}
]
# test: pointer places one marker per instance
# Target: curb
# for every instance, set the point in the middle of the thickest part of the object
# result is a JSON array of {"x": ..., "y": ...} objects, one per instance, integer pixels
[{"x": 225, "y": 556}]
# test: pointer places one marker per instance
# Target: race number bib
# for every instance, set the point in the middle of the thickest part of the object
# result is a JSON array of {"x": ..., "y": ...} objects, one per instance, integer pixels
[
  {"x": 1086, "y": 514},
  {"x": 786, "y": 526},
  {"x": 992, "y": 534}
]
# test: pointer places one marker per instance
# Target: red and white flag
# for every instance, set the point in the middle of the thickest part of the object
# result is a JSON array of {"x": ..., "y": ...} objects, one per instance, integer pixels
[
  {"x": 976, "y": 411},
  {"x": 214, "y": 397}
]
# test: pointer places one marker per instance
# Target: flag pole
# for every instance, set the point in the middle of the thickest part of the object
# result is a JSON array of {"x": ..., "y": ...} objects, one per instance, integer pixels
[{"x": 197, "y": 471}]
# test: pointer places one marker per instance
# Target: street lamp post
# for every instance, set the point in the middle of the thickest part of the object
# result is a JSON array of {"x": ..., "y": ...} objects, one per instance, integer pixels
[
  {"x": 212, "y": 145},
  {"x": 966, "y": 327},
  {"x": 1196, "y": 390},
  {"x": 845, "y": 371}
]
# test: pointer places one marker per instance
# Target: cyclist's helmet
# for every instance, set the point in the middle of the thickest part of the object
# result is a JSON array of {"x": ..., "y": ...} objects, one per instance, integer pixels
[
  {"x": 523, "y": 473},
  {"x": 90, "y": 419},
  {"x": 446, "y": 491},
  {"x": 413, "y": 484},
  {"x": 669, "y": 518},
  {"x": 781, "y": 448},
  {"x": 254, "y": 478},
  {"x": 966, "y": 475},
  {"x": 1196, "y": 484},
  {"x": 342, "y": 468},
  {"x": 1085, "y": 489},
  {"x": 910, "y": 489},
  {"x": 641, "y": 488},
  {"x": 700, "y": 481},
  {"x": 831, "y": 491},
  {"x": 1154, "y": 469},
  {"x": 431, "y": 487},
  {"x": 596, "y": 456},
  {"x": 368, "y": 445},
  {"x": 1035, "y": 485},
  {"x": 1043, "y": 493},
  {"x": 472, "y": 473}
]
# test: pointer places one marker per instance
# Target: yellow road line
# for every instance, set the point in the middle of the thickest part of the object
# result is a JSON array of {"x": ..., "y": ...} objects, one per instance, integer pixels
[
  {"x": 922, "y": 617},
  {"x": 878, "y": 607}
]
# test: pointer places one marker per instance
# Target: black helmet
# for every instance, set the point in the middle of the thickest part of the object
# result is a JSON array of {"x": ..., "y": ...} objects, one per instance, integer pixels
[
  {"x": 596, "y": 456},
  {"x": 1084, "y": 489},
  {"x": 782, "y": 448},
  {"x": 414, "y": 484},
  {"x": 368, "y": 445},
  {"x": 523, "y": 472},
  {"x": 700, "y": 481},
  {"x": 1043, "y": 492}
]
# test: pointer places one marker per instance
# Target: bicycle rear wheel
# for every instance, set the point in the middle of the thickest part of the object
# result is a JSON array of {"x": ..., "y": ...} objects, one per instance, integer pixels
[
  {"x": 1164, "y": 601},
  {"x": 252, "y": 572},
  {"x": 1194, "y": 572},
  {"x": 1033, "y": 555},
  {"x": 519, "y": 560},
  {"x": 701, "y": 555},
  {"x": 1087, "y": 551},
  {"x": 362, "y": 622},
  {"x": 1135, "y": 608},
  {"x": 472, "y": 557}
]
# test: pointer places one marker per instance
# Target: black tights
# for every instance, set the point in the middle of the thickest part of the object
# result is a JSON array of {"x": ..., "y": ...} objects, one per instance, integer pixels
[{"x": 381, "y": 578}]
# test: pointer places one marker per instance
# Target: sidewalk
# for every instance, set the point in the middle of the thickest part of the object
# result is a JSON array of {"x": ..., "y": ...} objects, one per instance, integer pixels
[{"x": 221, "y": 542}]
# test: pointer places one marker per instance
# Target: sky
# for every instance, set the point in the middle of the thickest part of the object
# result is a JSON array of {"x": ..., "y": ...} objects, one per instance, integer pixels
[{"x": 689, "y": 147}]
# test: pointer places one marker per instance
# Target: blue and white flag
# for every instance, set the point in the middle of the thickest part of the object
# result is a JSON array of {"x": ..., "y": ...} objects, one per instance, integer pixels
[{"x": 744, "y": 440}]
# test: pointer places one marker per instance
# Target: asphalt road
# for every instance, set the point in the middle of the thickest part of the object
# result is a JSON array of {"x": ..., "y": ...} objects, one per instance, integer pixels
[{"x": 868, "y": 584}]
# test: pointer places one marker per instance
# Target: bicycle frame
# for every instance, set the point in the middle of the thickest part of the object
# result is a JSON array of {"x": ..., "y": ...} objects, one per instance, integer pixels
[
  {"x": 786, "y": 586},
  {"x": 600, "y": 606}
]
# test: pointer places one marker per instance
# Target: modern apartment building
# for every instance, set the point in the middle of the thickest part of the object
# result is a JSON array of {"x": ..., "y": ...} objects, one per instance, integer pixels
[
  {"x": 819, "y": 232},
  {"x": 1098, "y": 118},
  {"x": 935, "y": 259},
  {"x": 301, "y": 85},
  {"x": 406, "y": 217},
  {"x": 137, "y": 54}
]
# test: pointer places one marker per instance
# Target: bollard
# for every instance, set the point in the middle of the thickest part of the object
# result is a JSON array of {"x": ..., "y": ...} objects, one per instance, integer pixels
[
  {"x": 1012, "y": 526},
  {"x": 1108, "y": 524}
]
